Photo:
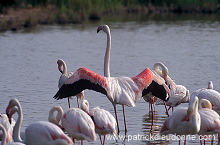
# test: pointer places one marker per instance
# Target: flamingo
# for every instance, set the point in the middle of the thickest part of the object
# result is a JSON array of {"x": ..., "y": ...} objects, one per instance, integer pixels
[
  {"x": 210, "y": 120},
  {"x": 119, "y": 90},
  {"x": 64, "y": 76},
  {"x": 178, "y": 93},
  {"x": 4, "y": 137},
  {"x": 75, "y": 122},
  {"x": 183, "y": 121},
  {"x": 37, "y": 133},
  {"x": 104, "y": 122},
  {"x": 7, "y": 126},
  {"x": 210, "y": 94}
]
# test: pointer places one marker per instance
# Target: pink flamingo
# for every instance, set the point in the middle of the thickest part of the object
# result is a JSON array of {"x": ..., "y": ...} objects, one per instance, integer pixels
[
  {"x": 119, "y": 90},
  {"x": 7, "y": 126},
  {"x": 75, "y": 122},
  {"x": 178, "y": 93},
  {"x": 64, "y": 76},
  {"x": 210, "y": 122},
  {"x": 104, "y": 122},
  {"x": 37, "y": 133},
  {"x": 4, "y": 137},
  {"x": 183, "y": 121}
]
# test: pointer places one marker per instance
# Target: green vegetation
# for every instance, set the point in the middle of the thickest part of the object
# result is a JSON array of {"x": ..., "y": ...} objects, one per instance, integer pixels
[{"x": 25, "y": 13}]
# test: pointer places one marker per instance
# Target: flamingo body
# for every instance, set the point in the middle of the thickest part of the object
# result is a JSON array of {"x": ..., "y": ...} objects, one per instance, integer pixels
[
  {"x": 45, "y": 133},
  {"x": 119, "y": 90},
  {"x": 183, "y": 121},
  {"x": 78, "y": 124}
]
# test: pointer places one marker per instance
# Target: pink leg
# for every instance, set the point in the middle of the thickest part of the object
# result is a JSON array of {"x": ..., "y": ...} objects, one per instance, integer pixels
[
  {"x": 124, "y": 119},
  {"x": 166, "y": 108},
  {"x": 116, "y": 117}
]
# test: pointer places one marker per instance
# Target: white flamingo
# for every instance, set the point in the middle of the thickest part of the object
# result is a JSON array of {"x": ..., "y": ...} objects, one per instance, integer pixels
[
  {"x": 210, "y": 94},
  {"x": 64, "y": 76},
  {"x": 37, "y": 133},
  {"x": 104, "y": 122},
  {"x": 7, "y": 126},
  {"x": 119, "y": 90},
  {"x": 183, "y": 121},
  {"x": 4, "y": 137},
  {"x": 178, "y": 93},
  {"x": 75, "y": 122},
  {"x": 210, "y": 120}
]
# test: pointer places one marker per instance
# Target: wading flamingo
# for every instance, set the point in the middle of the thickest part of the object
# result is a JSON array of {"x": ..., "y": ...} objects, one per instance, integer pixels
[
  {"x": 77, "y": 123},
  {"x": 64, "y": 76},
  {"x": 4, "y": 137},
  {"x": 183, "y": 121},
  {"x": 178, "y": 93},
  {"x": 7, "y": 126},
  {"x": 104, "y": 122},
  {"x": 119, "y": 90},
  {"x": 208, "y": 93},
  {"x": 37, "y": 133},
  {"x": 210, "y": 120}
]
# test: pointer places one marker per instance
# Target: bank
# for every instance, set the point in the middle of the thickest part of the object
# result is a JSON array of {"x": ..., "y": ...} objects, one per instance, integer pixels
[{"x": 29, "y": 15}]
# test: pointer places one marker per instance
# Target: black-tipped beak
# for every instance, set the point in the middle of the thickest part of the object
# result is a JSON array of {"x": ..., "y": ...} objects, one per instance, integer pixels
[{"x": 98, "y": 30}]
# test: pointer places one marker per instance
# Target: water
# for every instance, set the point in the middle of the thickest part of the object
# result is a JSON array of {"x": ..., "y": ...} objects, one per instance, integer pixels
[{"x": 189, "y": 48}]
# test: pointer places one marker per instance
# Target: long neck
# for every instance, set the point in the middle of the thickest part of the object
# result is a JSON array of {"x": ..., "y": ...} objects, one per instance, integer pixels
[
  {"x": 64, "y": 68},
  {"x": 164, "y": 72},
  {"x": 107, "y": 56},
  {"x": 58, "y": 117},
  {"x": 17, "y": 127},
  {"x": 4, "y": 135},
  {"x": 194, "y": 115}
]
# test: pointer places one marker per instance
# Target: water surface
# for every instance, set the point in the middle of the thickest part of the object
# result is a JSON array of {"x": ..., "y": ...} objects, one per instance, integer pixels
[{"x": 189, "y": 48}]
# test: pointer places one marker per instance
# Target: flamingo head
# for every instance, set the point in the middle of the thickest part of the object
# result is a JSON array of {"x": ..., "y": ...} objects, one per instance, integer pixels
[
  {"x": 60, "y": 63},
  {"x": 104, "y": 28},
  {"x": 8, "y": 112}
]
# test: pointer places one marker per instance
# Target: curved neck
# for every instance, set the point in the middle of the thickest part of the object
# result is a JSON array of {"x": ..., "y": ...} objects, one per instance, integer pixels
[
  {"x": 17, "y": 127},
  {"x": 58, "y": 117},
  {"x": 107, "y": 56},
  {"x": 163, "y": 68},
  {"x": 4, "y": 135},
  {"x": 64, "y": 68}
]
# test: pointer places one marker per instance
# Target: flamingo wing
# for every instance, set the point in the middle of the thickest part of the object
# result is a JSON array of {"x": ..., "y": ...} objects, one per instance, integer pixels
[
  {"x": 83, "y": 79},
  {"x": 157, "y": 90}
]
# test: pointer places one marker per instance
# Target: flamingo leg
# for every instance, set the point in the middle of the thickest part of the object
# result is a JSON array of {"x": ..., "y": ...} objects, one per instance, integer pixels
[
  {"x": 100, "y": 137},
  {"x": 166, "y": 108},
  {"x": 77, "y": 101},
  {"x": 152, "y": 113},
  {"x": 103, "y": 140},
  {"x": 68, "y": 101},
  {"x": 124, "y": 119},
  {"x": 81, "y": 142},
  {"x": 116, "y": 117}
]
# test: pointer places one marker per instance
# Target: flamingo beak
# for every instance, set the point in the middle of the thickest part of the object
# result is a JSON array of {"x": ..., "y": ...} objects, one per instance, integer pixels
[
  {"x": 9, "y": 115},
  {"x": 60, "y": 69},
  {"x": 99, "y": 28}
]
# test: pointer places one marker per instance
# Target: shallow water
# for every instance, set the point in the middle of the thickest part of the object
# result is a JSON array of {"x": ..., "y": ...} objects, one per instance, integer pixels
[{"x": 189, "y": 48}]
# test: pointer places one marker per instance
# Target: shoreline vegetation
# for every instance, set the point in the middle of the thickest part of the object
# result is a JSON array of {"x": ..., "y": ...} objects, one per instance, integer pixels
[{"x": 19, "y": 14}]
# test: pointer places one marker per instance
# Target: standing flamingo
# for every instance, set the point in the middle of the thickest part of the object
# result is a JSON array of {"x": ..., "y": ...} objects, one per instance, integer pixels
[
  {"x": 75, "y": 122},
  {"x": 210, "y": 94},
  {"x": 104, "y": 122},
  {"x": 178, "y": 93},
  {"x": 4, "y": 137},
  {"x": 183, "y": 121},
  {"x": 210, "y": 120},
  {"x": 37, "y": 133},
  {"x": 64, "y": 76},
  {"x": 119, "y": 90}
]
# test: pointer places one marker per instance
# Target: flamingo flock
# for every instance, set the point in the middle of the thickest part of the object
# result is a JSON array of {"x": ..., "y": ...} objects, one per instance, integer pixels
[{"x": 155, "y": 85}]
